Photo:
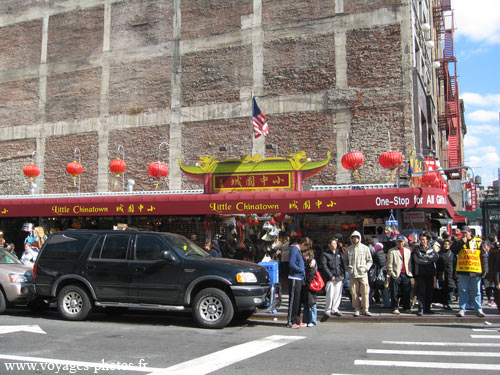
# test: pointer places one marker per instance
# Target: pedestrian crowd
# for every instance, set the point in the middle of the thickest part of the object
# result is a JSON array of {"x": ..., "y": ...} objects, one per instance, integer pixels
[{"x": 406, "y": 274}]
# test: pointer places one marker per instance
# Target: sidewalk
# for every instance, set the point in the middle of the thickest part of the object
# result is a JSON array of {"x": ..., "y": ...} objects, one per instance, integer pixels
[{"x": 384, "y": 315}]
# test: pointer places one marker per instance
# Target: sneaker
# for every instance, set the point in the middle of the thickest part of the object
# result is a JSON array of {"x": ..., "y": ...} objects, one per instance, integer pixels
[
  {"x": 356, "y": 313},
  {"x": 461, "y": 314},
  {"x": 396, "y": 312},
  {"x": 294, "y": 326},
  {"x": 367, "y": 313},
  {"x": 488, "y": 303},
  {"x": 311, "y": 325},
  {"x": 337, "y": 313},
  {"x": 481, "y": 314},
  {"x": 301, "y": 325}
]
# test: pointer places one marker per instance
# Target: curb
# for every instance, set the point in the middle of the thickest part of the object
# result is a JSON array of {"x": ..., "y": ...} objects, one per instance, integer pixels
[{"x": 386, "y": 318}]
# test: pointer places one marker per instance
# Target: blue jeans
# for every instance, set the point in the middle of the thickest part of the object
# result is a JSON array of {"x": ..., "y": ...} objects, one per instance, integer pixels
[
  {"x": 469, "y": 292},
  {"x": 310, "y": 314}
]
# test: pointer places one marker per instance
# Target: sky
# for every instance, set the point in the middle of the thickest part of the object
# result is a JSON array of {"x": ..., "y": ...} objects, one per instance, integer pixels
[{"x": 477, "y": 49}]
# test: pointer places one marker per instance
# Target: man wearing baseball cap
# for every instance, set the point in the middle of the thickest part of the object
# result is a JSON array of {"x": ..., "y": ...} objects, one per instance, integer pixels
[
  {"x": 399, "y": 272},
  {"x": 472, "y": 264}
]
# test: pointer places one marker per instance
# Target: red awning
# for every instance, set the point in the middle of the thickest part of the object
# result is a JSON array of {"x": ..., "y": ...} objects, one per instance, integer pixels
[
  {"x": 228, "y": 203},
  {"x": 459, "y": 219}
]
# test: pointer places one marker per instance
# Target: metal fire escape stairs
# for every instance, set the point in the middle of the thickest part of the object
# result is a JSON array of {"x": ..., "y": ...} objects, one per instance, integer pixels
[{"x": 449, "y": 116}]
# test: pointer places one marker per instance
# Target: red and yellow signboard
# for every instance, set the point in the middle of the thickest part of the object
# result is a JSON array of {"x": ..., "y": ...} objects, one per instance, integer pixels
[{"x": 252, "y": 181}]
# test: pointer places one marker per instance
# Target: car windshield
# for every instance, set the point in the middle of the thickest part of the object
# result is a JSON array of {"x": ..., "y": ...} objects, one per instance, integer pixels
[
  {"x": 185, "y": 246},
  {"x": 6, "y": 258}
]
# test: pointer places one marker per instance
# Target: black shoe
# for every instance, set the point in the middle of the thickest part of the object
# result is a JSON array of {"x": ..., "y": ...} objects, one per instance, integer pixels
[
  {"x": 447, "y": 307},
  {"x": 337, "y": 313},
  {"x": 324, "y": 318},
  {"x": 420, "y": 313}
]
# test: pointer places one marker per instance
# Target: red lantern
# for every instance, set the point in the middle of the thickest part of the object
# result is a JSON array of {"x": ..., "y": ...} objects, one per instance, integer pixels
[
  {"x": 429, "y": 178},
  {"x": 74, "y": 169},
  {"x": 390, "y": 159},
  {"x": 353, "y": 160},
  {"x": 158, "y": 170},
  {"x": 272, "y": 221},
  {"x": 117, "y": 166},
  {"x": 31, "y": 171}
]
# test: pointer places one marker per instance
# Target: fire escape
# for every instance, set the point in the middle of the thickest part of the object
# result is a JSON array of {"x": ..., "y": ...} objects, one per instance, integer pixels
[{"x": 449, "y": 114}]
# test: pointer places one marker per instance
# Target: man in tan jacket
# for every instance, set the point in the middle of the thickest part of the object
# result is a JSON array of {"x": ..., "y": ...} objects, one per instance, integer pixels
[
  {"x": 358, "y": 260},
  {"x": 399, "y": 272}
]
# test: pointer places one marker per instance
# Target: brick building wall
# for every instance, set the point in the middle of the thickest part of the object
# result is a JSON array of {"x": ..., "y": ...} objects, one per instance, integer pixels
[{"x": 99, "y": 74}]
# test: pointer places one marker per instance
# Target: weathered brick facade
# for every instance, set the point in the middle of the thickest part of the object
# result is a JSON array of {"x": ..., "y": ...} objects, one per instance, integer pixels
[
  {"x": 20, "y": 45},
  {"x": 101, "y": 74},
  {"x": 60, "y": 150}
]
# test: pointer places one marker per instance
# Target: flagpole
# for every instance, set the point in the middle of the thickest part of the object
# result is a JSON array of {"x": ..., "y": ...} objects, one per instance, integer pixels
[{"x": 251, "y": 125}]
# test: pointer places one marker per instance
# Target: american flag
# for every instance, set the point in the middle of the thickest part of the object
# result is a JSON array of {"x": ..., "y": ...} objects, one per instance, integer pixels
[{"x": 260, "y": 126}]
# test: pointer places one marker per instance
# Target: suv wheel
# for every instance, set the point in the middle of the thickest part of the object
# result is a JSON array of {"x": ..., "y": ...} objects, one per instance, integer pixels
[
  {"x": 3, "y": 302},
  {"x": 73, "y": 303},
  {"x": 212, "y": 308}
]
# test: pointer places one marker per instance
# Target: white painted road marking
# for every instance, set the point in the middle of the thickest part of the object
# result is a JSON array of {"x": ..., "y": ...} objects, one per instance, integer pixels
[
  {"x": 25, "y": 328},
  {"x": 215, "y": 361},
  {"x": 424, "y": 343},
  {"x": 485, "y": 336},
  {"x": 445, "y": 365},
  {"x": 432, "y": 352},
  {"x": 486, "y": 330}
]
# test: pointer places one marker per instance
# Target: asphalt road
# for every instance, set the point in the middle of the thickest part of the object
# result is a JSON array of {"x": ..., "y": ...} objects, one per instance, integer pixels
[{"x": 159, "y": 343}]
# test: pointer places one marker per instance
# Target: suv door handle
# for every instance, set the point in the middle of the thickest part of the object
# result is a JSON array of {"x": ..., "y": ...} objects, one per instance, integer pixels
[{"x": 90, "y": 267}]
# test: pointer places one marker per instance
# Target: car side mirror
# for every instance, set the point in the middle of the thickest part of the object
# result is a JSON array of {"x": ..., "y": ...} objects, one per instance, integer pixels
[{"x": 168, "y": 256}]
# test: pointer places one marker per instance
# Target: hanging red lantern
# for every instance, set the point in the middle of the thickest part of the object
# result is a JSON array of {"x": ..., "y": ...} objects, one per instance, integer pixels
[
  {"x": 272, "y": 221},
  {"x": 390, "y": 159},
  {"x": 31, "y": 171},
  {"x": 117, "y": 166},
  {"x": 158, "y": 170},
  {"x": 353, "y": 161},
  {"x": 429, "y": 178},
  {"x": 74, "y": 169}
]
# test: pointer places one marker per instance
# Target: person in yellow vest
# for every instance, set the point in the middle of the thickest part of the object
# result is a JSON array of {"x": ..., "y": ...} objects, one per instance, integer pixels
[{"x": 472, "y": 265}]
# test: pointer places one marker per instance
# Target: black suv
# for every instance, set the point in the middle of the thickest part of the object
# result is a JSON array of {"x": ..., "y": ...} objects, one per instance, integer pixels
[{"x": 85, "y": 268}]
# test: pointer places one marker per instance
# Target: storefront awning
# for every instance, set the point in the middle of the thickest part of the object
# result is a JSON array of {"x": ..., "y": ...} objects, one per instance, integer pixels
[{"x": 225, "y": 203}]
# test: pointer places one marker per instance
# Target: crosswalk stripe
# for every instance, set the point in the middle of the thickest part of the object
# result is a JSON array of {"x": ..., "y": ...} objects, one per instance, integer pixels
[
  {"x": 424, "y": 343},
  {"x": 485, "y": 336},
  {"x": 215, "y": 361},
  {"x": 444, "y": 365},
  {"x": 432, "y": 352},
  {"x": 485, "y": 330}
]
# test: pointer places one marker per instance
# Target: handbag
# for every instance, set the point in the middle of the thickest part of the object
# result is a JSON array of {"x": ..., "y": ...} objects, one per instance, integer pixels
[{"x": 317, "y": 284}]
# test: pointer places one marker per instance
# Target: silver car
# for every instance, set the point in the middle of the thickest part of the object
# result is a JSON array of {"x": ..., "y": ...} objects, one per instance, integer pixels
[{"x": 16, "y": 281}]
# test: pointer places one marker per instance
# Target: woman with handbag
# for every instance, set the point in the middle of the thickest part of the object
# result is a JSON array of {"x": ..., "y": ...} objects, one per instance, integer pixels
[{"x": 308, "y": 298}]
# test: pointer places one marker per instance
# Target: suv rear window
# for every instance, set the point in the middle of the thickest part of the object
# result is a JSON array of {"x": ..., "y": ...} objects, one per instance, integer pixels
[
  {"x": 65, "y": 247},
  {"x": 111, "y": 246}
]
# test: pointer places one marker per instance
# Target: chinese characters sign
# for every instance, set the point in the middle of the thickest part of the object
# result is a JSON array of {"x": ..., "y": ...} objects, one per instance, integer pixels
[{"x": 251, "y": 182}]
